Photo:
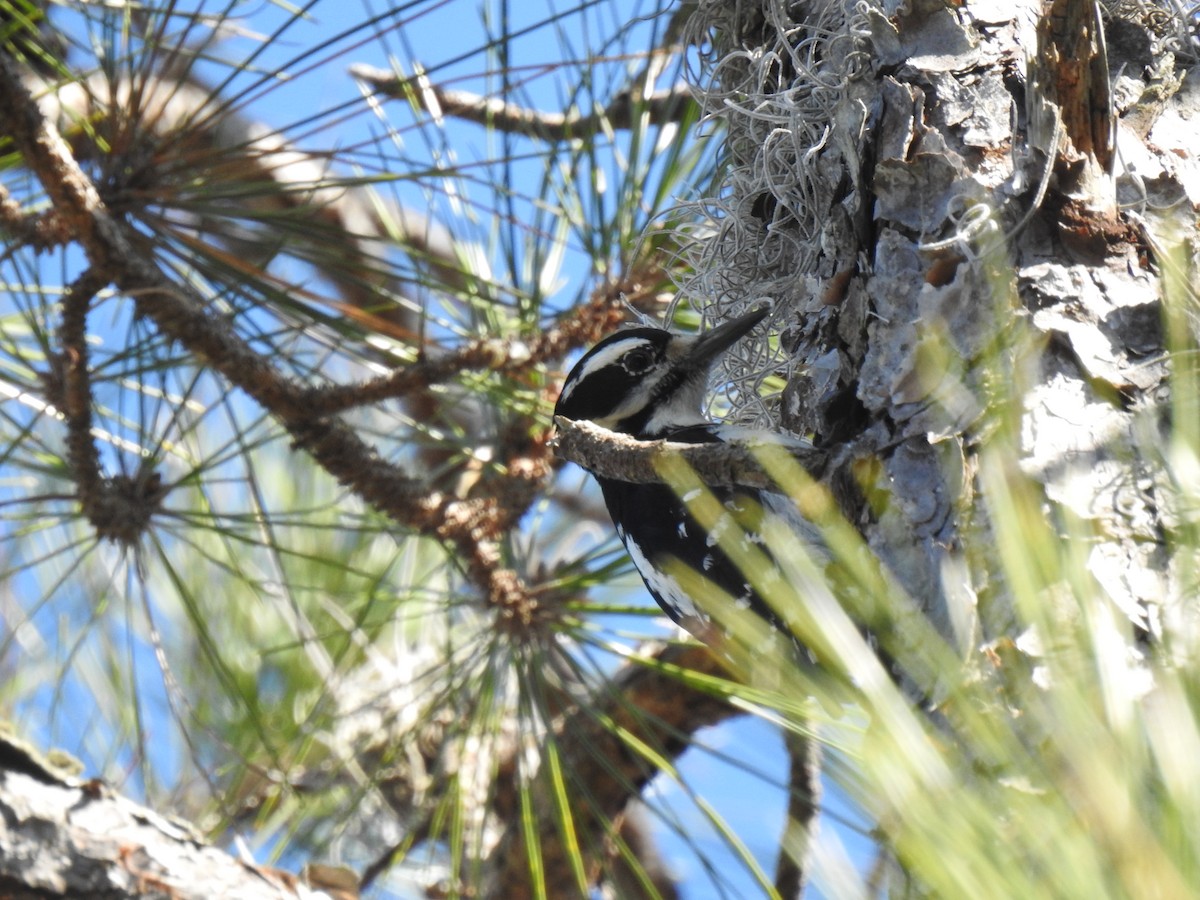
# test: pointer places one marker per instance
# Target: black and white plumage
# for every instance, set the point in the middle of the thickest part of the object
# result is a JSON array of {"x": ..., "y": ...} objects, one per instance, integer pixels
[{"x": 650, "y": 384}]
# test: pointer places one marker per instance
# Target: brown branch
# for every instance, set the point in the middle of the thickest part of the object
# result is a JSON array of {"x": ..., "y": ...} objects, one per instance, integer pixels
[
  {"x": 12, "y": 217},
  {"x": 584, "y": 324},
  {"x": 118, "y": 507},
  {"x": 626, "y": 108},
  {"x": 74, "y": 397},
  {"x": 804, "y": 804},
  {"x": 39, "y": 231},
  {"x": 619, "y": 456},
  {"x": 646, "y": 702}
]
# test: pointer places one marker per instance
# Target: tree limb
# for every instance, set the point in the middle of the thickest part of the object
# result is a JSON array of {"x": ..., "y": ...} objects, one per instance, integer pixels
[
  {"x": 577, "y": 327},
  {"x": 611, "y": 455},
  {"x": 804, "y": 805},
  {"x": 660, "y": 107},
  {"x": 88, "y": 841},
  {"x": 119, "y": 507}
]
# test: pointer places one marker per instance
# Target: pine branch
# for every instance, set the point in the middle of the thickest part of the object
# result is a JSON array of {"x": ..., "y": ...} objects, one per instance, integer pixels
[
  {"x": 626, "y": 108},
  {"x": 510, "y": 357},
  {"x": 611, "y": 455}
]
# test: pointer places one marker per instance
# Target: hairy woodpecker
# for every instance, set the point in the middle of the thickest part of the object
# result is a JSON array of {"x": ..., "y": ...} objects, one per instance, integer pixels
[{"x": 650, "y": 384}]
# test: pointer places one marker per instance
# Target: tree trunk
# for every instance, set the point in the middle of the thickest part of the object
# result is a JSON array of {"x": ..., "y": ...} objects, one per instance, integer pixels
[{"x": 933, "y": 197}]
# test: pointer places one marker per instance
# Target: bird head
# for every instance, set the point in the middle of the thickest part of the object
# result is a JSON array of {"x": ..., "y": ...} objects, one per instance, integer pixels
[{"x": 646, "y": 381}]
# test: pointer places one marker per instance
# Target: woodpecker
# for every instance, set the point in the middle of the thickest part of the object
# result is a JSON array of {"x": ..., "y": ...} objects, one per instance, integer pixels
[{"x": 650, "y": 383}]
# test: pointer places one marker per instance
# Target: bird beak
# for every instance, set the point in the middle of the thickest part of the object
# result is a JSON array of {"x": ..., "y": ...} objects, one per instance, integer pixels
[{"x": 715, "y": 341}]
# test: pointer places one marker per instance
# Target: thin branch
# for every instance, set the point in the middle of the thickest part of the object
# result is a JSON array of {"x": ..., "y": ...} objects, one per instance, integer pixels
[
  {"x": 619, "y": 456},
  {"x": 40, "y": 231},
  {"x": 118, "y": 507},
  {"x": 804, "y": 801},
  {"x": 626, "y": 108},
  {"x": 582, "y": 325},
  {"x": 647, "y": 702},
  {"x": 71, "y": 376}
]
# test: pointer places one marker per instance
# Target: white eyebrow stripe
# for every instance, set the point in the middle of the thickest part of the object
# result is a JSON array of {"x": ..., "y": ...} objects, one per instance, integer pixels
[{"x": 606, "y": 357}]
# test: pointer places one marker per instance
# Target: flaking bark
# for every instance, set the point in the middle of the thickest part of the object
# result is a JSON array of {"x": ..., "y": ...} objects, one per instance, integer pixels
[{"x": 941, "y": 235}]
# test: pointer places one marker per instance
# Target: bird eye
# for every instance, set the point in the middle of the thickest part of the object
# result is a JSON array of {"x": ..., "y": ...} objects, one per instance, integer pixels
[{"x": 637, "y": 361}]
